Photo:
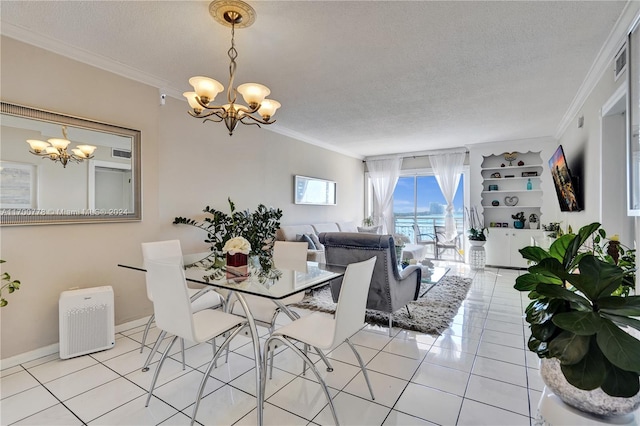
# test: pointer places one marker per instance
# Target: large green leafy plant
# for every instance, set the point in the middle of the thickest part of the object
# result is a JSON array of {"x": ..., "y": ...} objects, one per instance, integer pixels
[
  {"x": 258, "y": 227},
  {"x": 576, "y": 317}
]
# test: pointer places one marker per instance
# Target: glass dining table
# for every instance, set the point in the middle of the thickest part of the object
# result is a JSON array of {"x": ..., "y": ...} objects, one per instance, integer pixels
[{"x": 275, "y": 284}]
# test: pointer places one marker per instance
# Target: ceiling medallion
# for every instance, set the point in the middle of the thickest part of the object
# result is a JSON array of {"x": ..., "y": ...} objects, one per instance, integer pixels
[{"x": 234, "y": 14}]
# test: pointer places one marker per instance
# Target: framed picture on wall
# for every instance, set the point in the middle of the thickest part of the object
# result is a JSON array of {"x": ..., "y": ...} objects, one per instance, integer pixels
[
  {"x": 308, "y": 190},
  {"x": 19, "y": 185}
]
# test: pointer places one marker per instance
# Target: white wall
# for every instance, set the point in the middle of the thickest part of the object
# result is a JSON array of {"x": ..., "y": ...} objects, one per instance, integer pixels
[{"x": 186, "y": 166}]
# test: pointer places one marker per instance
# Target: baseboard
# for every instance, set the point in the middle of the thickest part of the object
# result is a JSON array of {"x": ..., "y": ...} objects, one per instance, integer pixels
[{"x": 55, "y": 348}]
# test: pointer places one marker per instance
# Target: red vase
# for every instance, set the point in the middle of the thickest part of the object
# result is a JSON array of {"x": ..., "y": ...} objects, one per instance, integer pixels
[{"x": 237, "y": 259}]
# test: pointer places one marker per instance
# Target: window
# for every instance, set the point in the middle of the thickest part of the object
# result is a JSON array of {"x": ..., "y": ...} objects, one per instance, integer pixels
[{"x": 418, "y": 199}]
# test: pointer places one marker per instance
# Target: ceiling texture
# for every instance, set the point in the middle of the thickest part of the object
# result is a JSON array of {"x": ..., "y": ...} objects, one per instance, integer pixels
[{"x": 364, "y": 78}]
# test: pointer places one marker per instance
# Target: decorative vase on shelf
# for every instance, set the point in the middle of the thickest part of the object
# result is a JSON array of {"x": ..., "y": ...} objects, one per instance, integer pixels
[
  {"x": 518, "y": 225},
  {"x": 529, "y": 185},
  {"x": 533, "y": 225}
]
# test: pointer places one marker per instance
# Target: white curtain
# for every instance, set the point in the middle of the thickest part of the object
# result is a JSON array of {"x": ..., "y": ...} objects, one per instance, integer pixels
[
  {"x": 448, "y": 169},
  {"x": 384, "y": 175}
]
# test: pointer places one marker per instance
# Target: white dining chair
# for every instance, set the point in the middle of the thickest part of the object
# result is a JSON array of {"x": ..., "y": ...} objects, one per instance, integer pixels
[
  {"x": 174, "y": 314},
  {"x": 204, "y": 298},
  {"x": 325, "y": 332}
]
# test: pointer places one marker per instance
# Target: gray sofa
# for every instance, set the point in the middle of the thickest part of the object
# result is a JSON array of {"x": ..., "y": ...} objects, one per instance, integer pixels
[
  {"x": 316, "y": 254},
  {"x": 391, "y": 289}
]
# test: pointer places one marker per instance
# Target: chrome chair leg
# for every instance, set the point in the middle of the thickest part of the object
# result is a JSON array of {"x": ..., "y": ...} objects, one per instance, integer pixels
[
  {"x": 145, "y": 367},
  {"x": 308, "y": 362},
  {"x": 182, "y": 351},
  {"x": 324, "y": 359},
  {"x": 146, "y": 332},
  {"x": 362, "y": 367},
  {"x": 157, "y": 372},
  {"x": 203, "y": 382}
]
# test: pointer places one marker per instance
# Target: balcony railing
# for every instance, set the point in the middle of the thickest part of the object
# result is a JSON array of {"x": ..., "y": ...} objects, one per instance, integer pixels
[{"x": 426, "y": 224}]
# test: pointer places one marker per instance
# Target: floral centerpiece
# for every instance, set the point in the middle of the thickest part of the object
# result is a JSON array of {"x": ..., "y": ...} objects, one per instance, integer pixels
[
  {"x": 225, "y": 233},
  {"x": 476, "y": 230},
  {"x": 237, "y": 250},
  {"x": 399, "y": 241}
]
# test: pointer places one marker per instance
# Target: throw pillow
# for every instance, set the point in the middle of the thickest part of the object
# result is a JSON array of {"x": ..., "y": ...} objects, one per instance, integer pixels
[
  {"x": 316, "y": 242},
  {"x": 306, "y": 238},
  {"x": 370, "y": 229}
]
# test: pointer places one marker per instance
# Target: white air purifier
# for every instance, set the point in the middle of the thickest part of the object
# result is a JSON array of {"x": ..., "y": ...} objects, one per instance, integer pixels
[{"x": 86, "y": 321}]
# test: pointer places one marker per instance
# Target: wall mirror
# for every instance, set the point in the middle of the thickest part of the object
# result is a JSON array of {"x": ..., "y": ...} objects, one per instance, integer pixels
[
  {"x": 35, "y": 190},
  {"x": 308, "y": 190}
]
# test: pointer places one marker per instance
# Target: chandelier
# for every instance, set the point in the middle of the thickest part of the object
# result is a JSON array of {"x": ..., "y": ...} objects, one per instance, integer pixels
[
  {"x": 56, "y": 149},
  {"x": 235, "y": 14}
]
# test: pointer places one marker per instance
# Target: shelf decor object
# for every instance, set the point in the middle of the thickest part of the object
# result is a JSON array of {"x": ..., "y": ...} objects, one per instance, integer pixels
[
  {"x": 511, "y": 201},
  {"x": 510, "y": 157}
]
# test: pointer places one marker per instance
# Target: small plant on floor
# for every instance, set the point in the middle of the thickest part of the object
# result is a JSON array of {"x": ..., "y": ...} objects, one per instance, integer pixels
[
  {"x": 476, "y": 230},
  {"x": 576, "y": 317},
  {"x": 7, "y": 284}
]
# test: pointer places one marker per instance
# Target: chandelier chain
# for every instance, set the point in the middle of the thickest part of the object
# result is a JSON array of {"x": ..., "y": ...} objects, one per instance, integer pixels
[{"x": 233, "y": 54}]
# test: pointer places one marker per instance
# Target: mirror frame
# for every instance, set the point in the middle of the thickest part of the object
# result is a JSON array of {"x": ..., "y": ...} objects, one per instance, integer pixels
[
  {"x": 329, "y": 195},
  {"x": 43, "y": 217}
]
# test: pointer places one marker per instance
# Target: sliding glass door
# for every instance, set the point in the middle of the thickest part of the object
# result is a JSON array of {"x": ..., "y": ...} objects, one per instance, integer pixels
[{"x": 418, "y": 200}]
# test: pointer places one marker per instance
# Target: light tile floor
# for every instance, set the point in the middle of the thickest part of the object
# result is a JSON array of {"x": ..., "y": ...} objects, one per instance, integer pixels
[{"x": 477, "y": 372}]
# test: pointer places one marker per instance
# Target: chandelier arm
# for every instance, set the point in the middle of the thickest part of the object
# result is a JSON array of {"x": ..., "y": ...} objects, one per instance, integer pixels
[
  {"x": 201, "y": 115},
  {"x": 219, "y": 119},
  {"x": 258, "y": 120}
]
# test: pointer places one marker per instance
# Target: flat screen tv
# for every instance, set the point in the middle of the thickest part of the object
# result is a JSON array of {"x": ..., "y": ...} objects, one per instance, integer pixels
[{"x": 563, "y": 181}]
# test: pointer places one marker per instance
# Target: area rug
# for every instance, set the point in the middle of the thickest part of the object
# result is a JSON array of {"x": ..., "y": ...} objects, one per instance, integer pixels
[{"x": 431, "y": 314}]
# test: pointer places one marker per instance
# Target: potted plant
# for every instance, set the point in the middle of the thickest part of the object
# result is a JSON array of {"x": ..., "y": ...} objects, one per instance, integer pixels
[
  {"x": 519, "y": 220},
  {"x": 476, "y": 230},
  {"x": 533, "y": 221},
  {"x": 258, "y": 228},
  {"x": 552, "y": 230},
  {"x": 8, "y": 284},
  {"x": 582, "y": 326},
  {"x": 367, "y": 221}
]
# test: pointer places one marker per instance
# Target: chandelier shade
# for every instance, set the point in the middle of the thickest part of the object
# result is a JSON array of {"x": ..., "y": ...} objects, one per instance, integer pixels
[
  {"x": 56, "y": 149},
  {"x": 258, "y": 110}
]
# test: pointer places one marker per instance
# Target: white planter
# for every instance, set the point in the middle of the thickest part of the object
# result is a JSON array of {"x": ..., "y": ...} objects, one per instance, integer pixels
[
  {"x": 594, "y": 402},
  {"x": 534, "y": 225},
  {"x": 476, "y": 243}
]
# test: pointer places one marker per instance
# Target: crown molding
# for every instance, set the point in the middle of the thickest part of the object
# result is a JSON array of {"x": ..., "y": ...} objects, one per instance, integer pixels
[
  {"x": 285, "y": 131},
  {"x": 90, "y": 58},
  {"x": 601, "y": 65}
]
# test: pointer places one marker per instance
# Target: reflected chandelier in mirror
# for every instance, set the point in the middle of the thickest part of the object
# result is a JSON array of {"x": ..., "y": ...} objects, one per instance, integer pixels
[{"x": 104, "y": 185}]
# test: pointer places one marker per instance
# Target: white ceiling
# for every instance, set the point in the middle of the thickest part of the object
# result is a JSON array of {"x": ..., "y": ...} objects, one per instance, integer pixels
[{"x": 365, "y": 77}]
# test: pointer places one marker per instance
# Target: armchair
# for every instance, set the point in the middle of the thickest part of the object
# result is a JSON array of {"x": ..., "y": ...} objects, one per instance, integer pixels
[
  {"x": 442, "y": 244},
  {"x": 390, "y": 289}
]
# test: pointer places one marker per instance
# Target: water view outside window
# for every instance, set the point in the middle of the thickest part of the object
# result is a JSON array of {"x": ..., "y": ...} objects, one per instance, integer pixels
[{"x": 418, "y": 199}]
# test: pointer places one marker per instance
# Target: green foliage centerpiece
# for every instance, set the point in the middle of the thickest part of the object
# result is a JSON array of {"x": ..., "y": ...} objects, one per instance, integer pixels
[
  {"x": 580, "y": 310},
  {"x": 258, "y": 228}
]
